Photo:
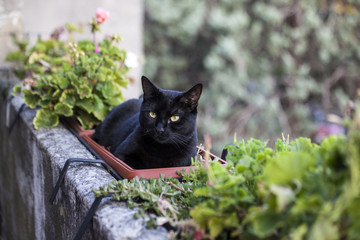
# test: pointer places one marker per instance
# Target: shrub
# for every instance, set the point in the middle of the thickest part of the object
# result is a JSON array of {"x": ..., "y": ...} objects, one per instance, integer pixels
[
  {"x": 265, "y": 65},
  {"x": 296, "y": 190}
]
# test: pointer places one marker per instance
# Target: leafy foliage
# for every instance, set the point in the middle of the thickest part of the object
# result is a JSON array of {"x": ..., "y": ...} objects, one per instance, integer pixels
[
  {"x": 71, "y": 79},
  {"x": 296, "y": 190},
  {"x": 265, "y": 65}
]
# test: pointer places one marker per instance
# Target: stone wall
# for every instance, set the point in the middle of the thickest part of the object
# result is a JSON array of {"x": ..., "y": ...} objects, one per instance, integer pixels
[{"x": 30, "y": 163}]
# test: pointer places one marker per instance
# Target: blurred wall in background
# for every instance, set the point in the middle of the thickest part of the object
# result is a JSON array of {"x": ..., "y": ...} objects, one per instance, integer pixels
[
  {"x": 34, "y": 18},
  {"x": 10, "y": 22}
]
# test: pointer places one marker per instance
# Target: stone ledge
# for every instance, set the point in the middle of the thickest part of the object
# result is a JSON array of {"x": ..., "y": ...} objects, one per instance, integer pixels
[{"x": 30, "y": 165}]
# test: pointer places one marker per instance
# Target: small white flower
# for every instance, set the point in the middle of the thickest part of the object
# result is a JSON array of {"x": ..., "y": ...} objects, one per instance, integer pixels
[{"x": 131, "y": 60}]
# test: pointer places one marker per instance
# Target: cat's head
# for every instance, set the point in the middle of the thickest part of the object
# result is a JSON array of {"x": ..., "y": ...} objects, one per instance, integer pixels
[{"x": 169, "y": 116}]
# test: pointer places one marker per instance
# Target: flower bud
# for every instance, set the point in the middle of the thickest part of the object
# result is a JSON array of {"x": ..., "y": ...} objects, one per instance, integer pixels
[{"x": 101, "y": 15}]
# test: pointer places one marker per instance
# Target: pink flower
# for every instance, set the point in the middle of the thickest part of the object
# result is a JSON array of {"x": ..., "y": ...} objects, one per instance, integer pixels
[
  {"x": 97, "y": 50},
  {"x": 101, "y": 15}
]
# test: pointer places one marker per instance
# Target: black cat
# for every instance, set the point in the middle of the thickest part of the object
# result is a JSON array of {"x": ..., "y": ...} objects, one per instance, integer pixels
[{"x": 158, "y": 131}]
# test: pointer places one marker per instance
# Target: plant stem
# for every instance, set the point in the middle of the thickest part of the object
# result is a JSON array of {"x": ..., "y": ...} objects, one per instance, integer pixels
[{"x": 175, "y": 186}]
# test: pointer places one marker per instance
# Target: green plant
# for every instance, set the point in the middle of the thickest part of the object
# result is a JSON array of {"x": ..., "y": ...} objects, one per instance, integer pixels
[
  {"x": 265, "y": 65},
  {"x": 82, "y": 79},
  {"x": 296, "y": 190}
]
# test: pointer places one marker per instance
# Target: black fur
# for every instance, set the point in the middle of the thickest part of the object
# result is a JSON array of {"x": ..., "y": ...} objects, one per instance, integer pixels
[{"x": 142, "y": 141}]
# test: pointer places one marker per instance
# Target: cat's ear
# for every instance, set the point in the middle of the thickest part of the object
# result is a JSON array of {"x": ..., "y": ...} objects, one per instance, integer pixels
[
  {"x": 192, "y": 96},
  {"x": 149, "y": 88}
]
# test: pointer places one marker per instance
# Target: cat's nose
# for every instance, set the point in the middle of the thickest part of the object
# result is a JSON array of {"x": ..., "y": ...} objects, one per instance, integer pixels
[{"x": 160, "y": 127}]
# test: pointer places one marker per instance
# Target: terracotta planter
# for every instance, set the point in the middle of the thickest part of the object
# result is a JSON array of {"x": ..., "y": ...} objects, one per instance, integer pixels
[{"x": 125, "y": 170}]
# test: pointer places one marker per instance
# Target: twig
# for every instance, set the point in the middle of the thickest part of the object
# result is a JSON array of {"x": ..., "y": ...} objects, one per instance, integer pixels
[{"x": 175, "y": 186}]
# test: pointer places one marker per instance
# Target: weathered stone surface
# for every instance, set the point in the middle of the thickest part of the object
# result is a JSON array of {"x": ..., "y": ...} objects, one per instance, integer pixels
[{"x": 30, "y": 163}]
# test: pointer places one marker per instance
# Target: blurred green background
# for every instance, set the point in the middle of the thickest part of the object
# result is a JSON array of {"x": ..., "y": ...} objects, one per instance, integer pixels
[{"x": 268, "y": 67}]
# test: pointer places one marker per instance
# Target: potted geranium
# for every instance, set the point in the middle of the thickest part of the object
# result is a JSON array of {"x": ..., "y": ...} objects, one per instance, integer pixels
[{"x": 81, "y": 79}]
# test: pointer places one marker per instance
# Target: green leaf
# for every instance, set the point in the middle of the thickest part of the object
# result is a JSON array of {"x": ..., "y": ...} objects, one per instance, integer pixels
[
  {"x": 310, "y": 204},
  {"x": 287, "y": 166},
  {"x": 46, "y": 93},
  {"x": 31, "y": 99},
  {"x": 35, "y": 56},
  {"x": 265, "y": 223},
  {"x": 100, "y": 111},
  {"x": 324, "y": 229},
  {"x": 63, "y": 109},
  {"x": 56, "y": 94},
  {"x": 73, "y": 28},
  {"x": 299, "y": 232},
  {"x": 16, "y": 90},
  {"x": 68, "y": 97},
  {"x": 45, "y": 103},
  {"x": 87, "y": 120},
  {"x": 115, "y": 100},
  {"x": 202, "y": 214},
  {"x": 83, "y": 91},
  {"x": 16, "y": 56},
  {"x": 333, "y": 151},
  {"x": 86, "y": 104},
  {"x": 62, "y": 82},
  {"x": 284, "y": 196},
  {"x": 71, "y": 77},
  {"x": 303, "y": 144},
  {"x": 216, "y": 226},
  {"x": 108, "y": 89},
  {"x": 45, "y": 118}
]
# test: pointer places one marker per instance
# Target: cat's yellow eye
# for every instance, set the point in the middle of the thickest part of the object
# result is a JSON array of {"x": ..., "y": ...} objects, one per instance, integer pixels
[
  {"x": 152, "y": 114},
  {"x": 174, "y": 118}
]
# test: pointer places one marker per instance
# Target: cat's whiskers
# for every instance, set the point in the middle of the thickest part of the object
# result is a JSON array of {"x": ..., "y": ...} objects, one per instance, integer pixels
[
  {"x": 176, "y": 144},
  {"x": 179, "y": 139}
]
